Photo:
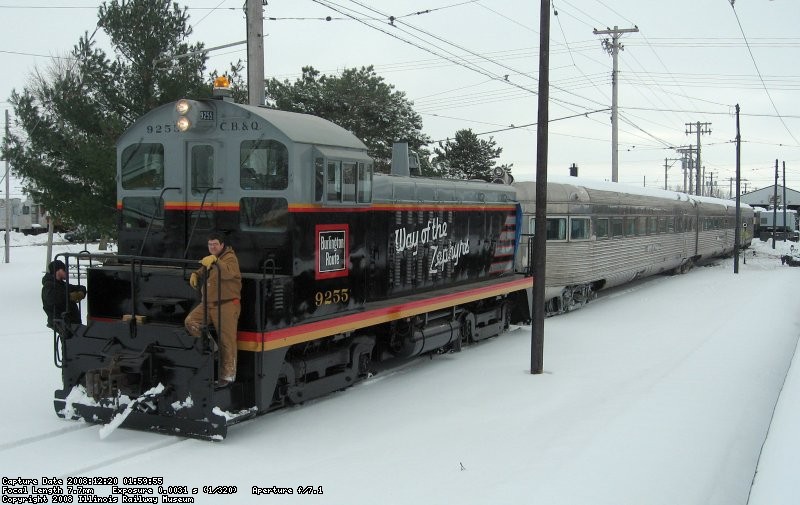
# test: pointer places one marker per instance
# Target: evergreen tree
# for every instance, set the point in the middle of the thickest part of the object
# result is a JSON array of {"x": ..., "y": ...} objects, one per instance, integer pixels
[
  {"x": 358, "y": 100},
  {"x": 467, "y": 157},
  {"x": 73, "y": 114}
]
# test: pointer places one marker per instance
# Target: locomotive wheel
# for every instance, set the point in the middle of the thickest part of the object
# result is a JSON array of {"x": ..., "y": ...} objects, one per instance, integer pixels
[
  {"x": 506, "y": 316},
  {"x": 467, "y": 332}
]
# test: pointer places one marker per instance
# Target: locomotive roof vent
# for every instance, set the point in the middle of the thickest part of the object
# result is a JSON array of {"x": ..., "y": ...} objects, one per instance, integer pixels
[{"x": 404, "y": 162}]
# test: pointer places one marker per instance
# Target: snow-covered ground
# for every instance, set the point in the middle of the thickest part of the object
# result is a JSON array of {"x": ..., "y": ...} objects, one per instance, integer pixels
[{"x": 662, "y": 392}]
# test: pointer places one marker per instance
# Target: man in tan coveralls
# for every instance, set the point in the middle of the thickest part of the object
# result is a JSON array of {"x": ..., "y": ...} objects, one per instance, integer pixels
[{"x": 222, "y": 291}]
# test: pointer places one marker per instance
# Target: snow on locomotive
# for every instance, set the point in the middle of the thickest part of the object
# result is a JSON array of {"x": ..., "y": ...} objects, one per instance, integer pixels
[{"x": 343, "y": 269}]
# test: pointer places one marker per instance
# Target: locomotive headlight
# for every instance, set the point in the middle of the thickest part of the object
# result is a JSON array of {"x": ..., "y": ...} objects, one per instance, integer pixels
[
  {"x": 182, "y": 107},
  {"x": 183, "y": 123}
]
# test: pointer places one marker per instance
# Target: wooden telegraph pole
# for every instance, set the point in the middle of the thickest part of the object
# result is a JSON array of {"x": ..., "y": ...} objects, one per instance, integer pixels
[
  {"x": 540, "y": 237},
  {"x": 613, "y": 48},
  {"x": 255, "y": 52},
  {"x": 737, "y": 235}
]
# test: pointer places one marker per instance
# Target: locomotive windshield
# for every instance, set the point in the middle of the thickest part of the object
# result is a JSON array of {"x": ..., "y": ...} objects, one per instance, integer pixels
[{"x": 143, "y": 166}]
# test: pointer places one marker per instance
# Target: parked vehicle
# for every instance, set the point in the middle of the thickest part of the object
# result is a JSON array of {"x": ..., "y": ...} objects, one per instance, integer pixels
[{"x": 82, "y": 235}]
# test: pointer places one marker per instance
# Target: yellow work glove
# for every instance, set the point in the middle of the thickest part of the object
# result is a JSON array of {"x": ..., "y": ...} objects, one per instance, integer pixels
[
  {"x": 208, "y": 261},
  {"x": 77, "y": 296},
  {"x": 194, "y": 280}
]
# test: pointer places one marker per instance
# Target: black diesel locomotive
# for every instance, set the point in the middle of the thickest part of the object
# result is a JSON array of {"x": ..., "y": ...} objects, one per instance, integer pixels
[{"x": 344, "y": 270}]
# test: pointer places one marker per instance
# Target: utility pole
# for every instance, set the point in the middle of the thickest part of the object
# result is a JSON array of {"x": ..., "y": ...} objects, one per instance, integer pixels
[
  {"x": 775, "y": 206},
  {"x": 710, "y": 191},
  {"x": 737, "y": 235},
  {"x": 255, "y": 52},
  {"x": 698, "y": 129},
  {"x": 613, "y": 48},
  {"x": 540, "y": 237},
  {"x": 687, "y": 163},
  {"x": 667, "y": 167},
  {"x": 683, "y": 166},
  {"x": 705, "y": 184},
  {"x": 783, "y": 201},
  {"x": 8, "y": 198}
]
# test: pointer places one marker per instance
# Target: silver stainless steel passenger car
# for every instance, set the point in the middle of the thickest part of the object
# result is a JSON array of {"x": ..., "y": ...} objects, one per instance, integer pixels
[{"x": 602, "y": 234}]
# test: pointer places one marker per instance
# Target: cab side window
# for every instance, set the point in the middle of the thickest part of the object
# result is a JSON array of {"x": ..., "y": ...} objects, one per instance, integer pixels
[
  {"x": 342, "y": 181},
  {"x": 263, "y": 165}
]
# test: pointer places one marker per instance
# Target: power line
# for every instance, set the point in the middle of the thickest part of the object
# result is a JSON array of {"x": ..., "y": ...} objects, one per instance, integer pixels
[
  {"x": 37, "y": 55},
  {"x": 514, "y": 127},
  {"x": 687, "y": 111},
  {"x": 428, "y": 11},
  {"x": 755, "y": 64}
]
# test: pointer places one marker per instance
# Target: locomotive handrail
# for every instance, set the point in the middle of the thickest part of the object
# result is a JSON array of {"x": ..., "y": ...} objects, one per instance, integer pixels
[
  {"x": 529, "y": 265},
  {"x": 197, "y": 219},
  {"x": 137, "y": 262},
  {"x": 152, "y": 218},
  {"x": 57, "y": 360},
  {"x": 260, "y": 323}
]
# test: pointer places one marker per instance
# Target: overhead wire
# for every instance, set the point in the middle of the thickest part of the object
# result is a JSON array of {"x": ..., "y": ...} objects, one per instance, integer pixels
[
  {"x": 449, "y": 57},
  {"x": 473, "y": 67},
  {"x": 428, "y": 11},
  {"x": 577, "y": 18},
  {"x": 514, "y": 127},
  {"x": 758, "y": 71}
]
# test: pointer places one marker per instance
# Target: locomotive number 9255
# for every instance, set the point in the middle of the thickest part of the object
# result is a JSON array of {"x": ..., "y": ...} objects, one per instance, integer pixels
[{"x": 332, "y": 297}]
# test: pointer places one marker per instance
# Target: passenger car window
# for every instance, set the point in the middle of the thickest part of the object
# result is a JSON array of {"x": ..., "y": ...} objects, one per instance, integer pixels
[
  {"x": 601, "y": 228},
  {"x": 641, "y": 225},
  {"x": 556, "y": 228},
  {"x": 652, "y": 225},
  {"x": 578, "y": 228},
  {"x": 630, "y": 226},
  {"x": 616, "y": 227}
]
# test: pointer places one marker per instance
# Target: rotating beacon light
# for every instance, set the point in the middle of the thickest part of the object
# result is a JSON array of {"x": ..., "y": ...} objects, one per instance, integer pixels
[{"x": 222, "y": 88}]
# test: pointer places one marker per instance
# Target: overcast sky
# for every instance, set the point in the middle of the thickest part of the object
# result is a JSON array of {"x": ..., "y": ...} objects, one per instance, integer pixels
[{"x": 690, "y": 62}]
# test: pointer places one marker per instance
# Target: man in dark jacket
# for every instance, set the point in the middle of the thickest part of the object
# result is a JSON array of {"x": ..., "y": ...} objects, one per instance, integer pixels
[{"x": 55, "y": 291}]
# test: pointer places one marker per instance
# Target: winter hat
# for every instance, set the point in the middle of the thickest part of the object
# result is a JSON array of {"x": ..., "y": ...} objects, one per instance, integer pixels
[{"x": 55, "y": 266}]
